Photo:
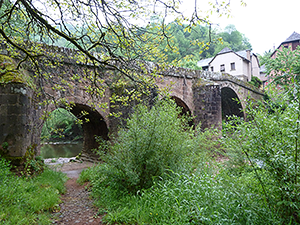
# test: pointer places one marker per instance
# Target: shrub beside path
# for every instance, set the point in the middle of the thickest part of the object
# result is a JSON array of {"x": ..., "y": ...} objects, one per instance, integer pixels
[{"x": 77, "y": 206}]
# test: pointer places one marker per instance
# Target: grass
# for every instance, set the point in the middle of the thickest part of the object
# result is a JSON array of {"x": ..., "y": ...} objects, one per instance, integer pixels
[
  {"x": 202, "y": 197},
  {"x": 29, "y": 200}
]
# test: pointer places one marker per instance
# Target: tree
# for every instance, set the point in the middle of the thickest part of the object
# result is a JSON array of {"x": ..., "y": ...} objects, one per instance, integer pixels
[
  {"x": 188, "y": 46},
  {"x": 256, "y": 82},
  {"x": 155, "y": 142},
  {"x": 265, "y": 57},
  {"x": 236, "y": 40},
  {"x": 109, "y": 28},
  {"x": 284, "y": 68}
]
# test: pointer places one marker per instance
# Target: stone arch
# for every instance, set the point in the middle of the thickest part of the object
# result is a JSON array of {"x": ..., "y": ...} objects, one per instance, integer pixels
[
  {"x": 231, "y": 104},
  {"x": 185, "y": 109},
  {"x": 93, "y": 125}
]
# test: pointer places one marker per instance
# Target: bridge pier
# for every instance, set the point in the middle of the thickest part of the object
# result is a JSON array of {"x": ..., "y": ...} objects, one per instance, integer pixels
[
  {"x": 208, "y": 107},
  {"x": 18, "y": 117}
]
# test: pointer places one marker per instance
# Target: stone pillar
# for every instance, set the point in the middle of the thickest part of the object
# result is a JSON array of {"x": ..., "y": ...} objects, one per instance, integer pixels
[
  {"x": 17, "y": 122},
  {"x": 208, "y": 108}
]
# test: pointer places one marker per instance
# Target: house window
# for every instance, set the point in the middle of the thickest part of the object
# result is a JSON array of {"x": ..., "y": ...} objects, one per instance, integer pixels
[
  {"x": 222, "y": 68},
  {"x": 232, "y": 66},
  {"x": 212, "y": 69}
]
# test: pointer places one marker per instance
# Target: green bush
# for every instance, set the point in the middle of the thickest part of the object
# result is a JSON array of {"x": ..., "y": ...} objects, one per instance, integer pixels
[
  {"x": 156, "y": 145},
  {"x": 268, "y": 147},
  {"x": 155, "y": 140},
  {"x": 255, "y": 81}
]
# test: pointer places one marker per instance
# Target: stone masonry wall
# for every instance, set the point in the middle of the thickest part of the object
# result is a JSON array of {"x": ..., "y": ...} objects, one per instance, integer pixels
[
  {"x": 17, "y": 119},
  {"x": 207, "y": 102},
  {"x": 179, "y": 86}
]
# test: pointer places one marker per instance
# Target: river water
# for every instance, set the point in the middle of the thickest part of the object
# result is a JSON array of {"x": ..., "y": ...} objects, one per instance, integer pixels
[{"x": 60, "y": 150}]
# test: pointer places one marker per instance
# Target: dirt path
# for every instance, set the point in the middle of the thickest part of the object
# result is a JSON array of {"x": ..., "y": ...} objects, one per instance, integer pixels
[{"x": 76, "y": 207}]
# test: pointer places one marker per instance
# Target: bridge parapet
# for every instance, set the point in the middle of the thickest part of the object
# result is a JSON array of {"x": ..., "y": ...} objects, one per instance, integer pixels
[{"x": 218, "y": 76}]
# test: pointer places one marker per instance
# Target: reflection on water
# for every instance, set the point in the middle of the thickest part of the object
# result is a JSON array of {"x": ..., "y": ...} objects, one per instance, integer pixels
[{"x": 60, "y": 150}]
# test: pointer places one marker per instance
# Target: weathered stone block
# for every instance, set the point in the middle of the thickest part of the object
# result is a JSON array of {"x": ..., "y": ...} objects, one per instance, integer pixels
[
  {"x": 8, "y": 99},
  {"x": 15, "y": 109},
  {"x": 24, "y": 100}
]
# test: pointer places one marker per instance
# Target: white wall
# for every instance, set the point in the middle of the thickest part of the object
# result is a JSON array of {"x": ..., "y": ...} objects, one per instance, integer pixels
[
  {"x": 255, "y": 67},
  {"x": 241, "y": 66}
]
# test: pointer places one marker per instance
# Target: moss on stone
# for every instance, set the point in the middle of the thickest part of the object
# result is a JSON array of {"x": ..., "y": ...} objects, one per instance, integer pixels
[
  {"x": 19, "y": 160},
  {"x": 202, "y": 82},
  {"x": 14, "y": 160},
  {"x": 9, "y": 73}
]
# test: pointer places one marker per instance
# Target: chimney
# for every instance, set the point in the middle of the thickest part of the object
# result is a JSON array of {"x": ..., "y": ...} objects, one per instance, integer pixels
[{"x": 248, "y": 54}]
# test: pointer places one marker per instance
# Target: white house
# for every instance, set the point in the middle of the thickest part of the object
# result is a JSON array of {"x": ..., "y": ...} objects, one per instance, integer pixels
[{"x": 242, "y": 64}]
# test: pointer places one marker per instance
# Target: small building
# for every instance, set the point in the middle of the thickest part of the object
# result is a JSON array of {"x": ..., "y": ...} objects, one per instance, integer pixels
[
  {"x": 291, "y": 42},
  {"x": 242, "y": 64}
]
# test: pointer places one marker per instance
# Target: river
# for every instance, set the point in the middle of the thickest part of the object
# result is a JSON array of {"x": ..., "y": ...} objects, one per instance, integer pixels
[{"x": 60, "y": 150}]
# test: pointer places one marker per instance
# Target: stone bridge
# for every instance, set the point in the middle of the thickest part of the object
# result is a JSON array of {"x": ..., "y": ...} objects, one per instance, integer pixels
[{"x": 207, "y": 96}]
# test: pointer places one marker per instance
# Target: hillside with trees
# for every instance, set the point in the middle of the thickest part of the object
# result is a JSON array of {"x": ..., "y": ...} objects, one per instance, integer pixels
[
  {"x": 189, "y": 46},
  {"x": 181, "y": 46}
]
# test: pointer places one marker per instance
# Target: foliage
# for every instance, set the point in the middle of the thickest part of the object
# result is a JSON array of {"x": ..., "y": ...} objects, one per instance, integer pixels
[
  {"x": 202, "y": 197},
  {"x": 284, "y": 67},
  {"x": 28, "y": 200},
  {"x": 155, "y": 138},
  {"x": 33, "y": 166},
  {"x": 188, "y": 46},
  {"x": 255, "y": 81},
  {"x": 263, "y": 59},
  {"x": 236, "y": 40},
  {"x": 154, "y": 141},
  {"x": 267, "y": 146},
  {"x": 257, "y": 185},
  {"x": 270, "y": 144},
  {"x": 275, "y": 97},
  {"x": 61, "y": 125}
]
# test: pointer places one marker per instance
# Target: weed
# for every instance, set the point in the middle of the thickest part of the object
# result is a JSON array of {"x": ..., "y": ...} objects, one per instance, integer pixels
[
  {"x": 53, "y": 160},
  {"x": 4, "y": 145},
  {"x": 28, "y": 200}
]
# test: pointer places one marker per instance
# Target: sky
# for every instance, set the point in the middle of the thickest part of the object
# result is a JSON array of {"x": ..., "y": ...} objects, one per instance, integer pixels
[{"x": 266, "y": 23}]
